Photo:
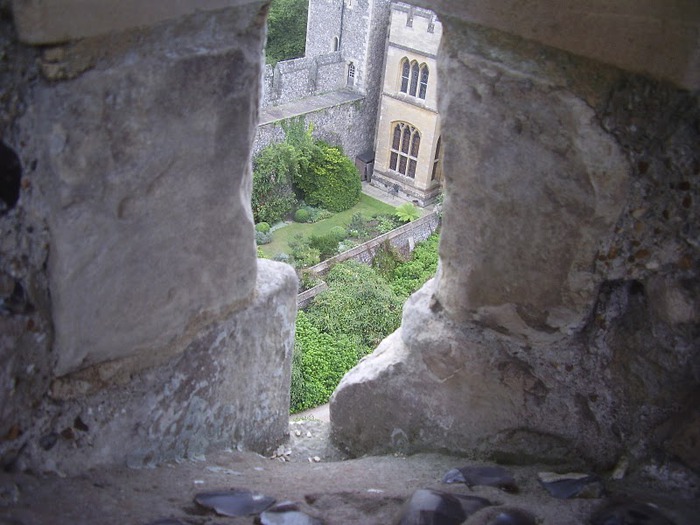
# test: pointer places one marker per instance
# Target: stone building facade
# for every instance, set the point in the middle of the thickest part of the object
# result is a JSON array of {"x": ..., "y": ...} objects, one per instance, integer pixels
[
  {"x": 407, "y": 147},
  {"x": 344, "y": 53}
]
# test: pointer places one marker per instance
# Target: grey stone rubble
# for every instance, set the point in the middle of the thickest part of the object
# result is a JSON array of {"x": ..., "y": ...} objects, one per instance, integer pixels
[{"x": 335, "y": 490}]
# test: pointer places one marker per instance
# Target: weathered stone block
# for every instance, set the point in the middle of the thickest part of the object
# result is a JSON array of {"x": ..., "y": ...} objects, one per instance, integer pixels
[
  {"x": 229, "y": 388},
  {"x": 145, "y": 171},
  {"x": 534, "y": 185}
]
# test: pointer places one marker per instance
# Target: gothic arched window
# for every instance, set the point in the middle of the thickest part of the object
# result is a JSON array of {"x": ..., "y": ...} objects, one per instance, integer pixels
[
  {"x": 405, "y": 145},
  {"x": 415, "y": 71},
  {"x": 436, "y": 161},
  {"x": 414, "y": 78},
  {"x": 405, "y": 75},
  {"x": 424, "y": 73}
]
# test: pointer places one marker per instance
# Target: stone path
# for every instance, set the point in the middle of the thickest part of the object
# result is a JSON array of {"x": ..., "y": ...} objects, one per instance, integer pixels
[
  {"x": 309, "y": 471},
  {"x": 307, "y": 105}
]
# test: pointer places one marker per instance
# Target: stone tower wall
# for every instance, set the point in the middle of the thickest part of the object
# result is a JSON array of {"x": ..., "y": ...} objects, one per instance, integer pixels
[{"x": 127, "y": 259}]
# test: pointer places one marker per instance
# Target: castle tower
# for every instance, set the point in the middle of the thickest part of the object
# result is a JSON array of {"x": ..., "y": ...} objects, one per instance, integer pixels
[{"x": 407, "y": 146}]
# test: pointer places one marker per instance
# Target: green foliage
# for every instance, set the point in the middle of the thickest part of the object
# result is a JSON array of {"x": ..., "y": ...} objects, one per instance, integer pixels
[
  {"x": 386, "y": 223},
  {"x": 318, "y": 364},
  {"x": 331, "y": 180},
  {"x": 385, "y": 261},
  {"x": 274, "y": 169},
  {"x": 308, "y": 280},
  {"x": 358, "y": 305},
  {"x": 286, "y": 30},
  {"x": 327, "y": 245},
  {"x": 302, "y": 215},
  {"x": 303, "y": 255},
  {"x": 409, "y": 276},
  {"x": 344, "y": 323},
  {"x": 338, "y": 233},
  {"x": 262, "y": 227},
  {"x": 262, "y": 238},
  {"x": 357, "y": 226},
  {"x": 407, "y": 212}
]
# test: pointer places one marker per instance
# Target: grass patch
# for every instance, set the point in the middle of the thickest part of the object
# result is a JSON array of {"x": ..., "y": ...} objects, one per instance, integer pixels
[{"x": 367, "y": 206}]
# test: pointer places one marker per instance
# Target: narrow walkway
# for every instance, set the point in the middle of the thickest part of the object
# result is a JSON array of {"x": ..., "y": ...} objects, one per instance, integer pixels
[
  {"x": 307, "y": 105},
  {"x": 392, "y": 200}
]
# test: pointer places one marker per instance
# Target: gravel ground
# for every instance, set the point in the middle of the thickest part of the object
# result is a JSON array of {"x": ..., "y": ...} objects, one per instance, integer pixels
[{"x": 309, "y": 470}]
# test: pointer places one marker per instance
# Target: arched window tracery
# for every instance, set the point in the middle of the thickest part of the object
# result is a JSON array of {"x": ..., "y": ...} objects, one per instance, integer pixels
[
  {"x": 405, "y": 145},
  {"x": 414, "y": 78}
]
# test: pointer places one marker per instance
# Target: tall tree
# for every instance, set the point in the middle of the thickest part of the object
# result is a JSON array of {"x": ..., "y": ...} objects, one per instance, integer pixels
[{"x": 286, "y": 30}]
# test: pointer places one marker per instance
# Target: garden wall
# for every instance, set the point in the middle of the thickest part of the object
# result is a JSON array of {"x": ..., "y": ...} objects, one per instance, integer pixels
[{"x": 404, "y": 239}]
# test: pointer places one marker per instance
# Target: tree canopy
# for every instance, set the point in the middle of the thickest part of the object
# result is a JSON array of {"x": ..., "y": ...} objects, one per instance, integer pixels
[{"x": 286, "y": 30}]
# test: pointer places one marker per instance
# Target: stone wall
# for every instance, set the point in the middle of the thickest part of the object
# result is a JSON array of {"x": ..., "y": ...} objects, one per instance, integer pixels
[
  {"x": 563, "y": 324},
  {"x": 402, "y": 239},
  {"x": 127, "y": 258},
  {"x": 299, "y": 78},
  {"x": 337, "y": 125}
]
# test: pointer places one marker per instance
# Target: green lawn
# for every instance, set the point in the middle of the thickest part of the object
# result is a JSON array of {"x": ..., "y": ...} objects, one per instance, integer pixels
[{"x": 281, "y": 237}]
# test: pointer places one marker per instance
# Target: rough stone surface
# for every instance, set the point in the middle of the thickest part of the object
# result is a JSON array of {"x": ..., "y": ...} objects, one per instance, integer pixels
[
  {"x": 122, "y": 145},
  {"x": 132, "y": 326},
  {"x": 535, "y": 185},
  {"x": 562, "y": 324},
  {"x": 229, "y": 388},
  {"x": 656, "y": 37},
  {"x": 367, "y": 491}
]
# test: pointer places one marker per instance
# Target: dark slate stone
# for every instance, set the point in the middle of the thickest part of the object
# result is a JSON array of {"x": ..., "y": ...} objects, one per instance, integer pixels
[
  {"x": 629, "y": 513},
  {"x": 488, "y": 476},
  {"x": 234, "y": 503},
  {"x": 565, "y": 486},
  {"x": 286, "y": 513},
  {"x": 432, "y": 507}
]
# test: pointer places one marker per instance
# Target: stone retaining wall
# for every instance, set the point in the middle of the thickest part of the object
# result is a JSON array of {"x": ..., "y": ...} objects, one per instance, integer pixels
[{"x": 404, "y": 239}]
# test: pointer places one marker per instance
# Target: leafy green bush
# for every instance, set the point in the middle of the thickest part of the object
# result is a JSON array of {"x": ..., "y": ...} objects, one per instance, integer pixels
[
  {"x": 274, "y": 169},
  {"x": 386, "y": 223},
  {"x": 338, "y": 233},
  {"x": 303, "y": 255},
  {"x": 281, "y": 257},
  {"x": 359, "y": 305},
  {"x": 308, "y": 280},
  {"x": 357, "y": 226},
  {"x": 302, "y": 215},
  {"x": 262, "y": 227},
  {"x": 409, "y": 276},
  {"x": 262, "y": 238},
  {"x": 407, "y": 212},
  {"x": 327, "y": 245},
  {"x": 331, "y": 180},
  {"x": 318, "y": 364}
]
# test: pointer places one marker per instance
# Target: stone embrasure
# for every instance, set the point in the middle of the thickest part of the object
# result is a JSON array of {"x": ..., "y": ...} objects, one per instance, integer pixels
[
  {"x": 229, "y": 388},
  {"x": 562, "y": 323}
]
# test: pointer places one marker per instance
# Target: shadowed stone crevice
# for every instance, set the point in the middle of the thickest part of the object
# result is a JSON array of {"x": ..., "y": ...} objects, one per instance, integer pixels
[{"x": 10, "y": 178}]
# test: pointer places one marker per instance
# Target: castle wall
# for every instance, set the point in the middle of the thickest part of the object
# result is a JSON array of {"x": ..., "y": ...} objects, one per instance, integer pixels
[
  {"x": 341, "y": 125},
  {"x": 321, "y": 71},
  {"x": 127, "y": 260},
  {"x": 563, "y": 323}
]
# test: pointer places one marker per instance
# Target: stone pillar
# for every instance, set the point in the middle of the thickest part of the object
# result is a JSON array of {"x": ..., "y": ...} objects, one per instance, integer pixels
[
  {"x": 540, "y": 339},
  {"x": 167, "y": 337}
]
